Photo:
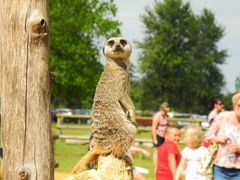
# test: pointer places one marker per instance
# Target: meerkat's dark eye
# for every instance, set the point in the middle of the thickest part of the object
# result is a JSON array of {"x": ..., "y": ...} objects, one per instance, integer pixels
[
  {"x": 111, "y": 42},
  {"x": 123, "y": 42}
]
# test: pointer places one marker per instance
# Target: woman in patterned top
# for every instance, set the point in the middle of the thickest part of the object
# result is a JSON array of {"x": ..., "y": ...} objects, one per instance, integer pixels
[
  {"x": 225, "y": 131},
  {"x": 159, "y": 126}
]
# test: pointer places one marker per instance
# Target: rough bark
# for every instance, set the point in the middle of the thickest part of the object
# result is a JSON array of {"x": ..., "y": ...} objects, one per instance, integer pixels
[{"x": 25, "y": 90}]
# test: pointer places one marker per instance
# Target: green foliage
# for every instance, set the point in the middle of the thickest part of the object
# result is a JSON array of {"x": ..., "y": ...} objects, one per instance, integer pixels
[
  {"x": 237, "y": 83},
  {"x": 227, "y": 100},
  {"x": 76, "y": 28},
  {"x": 136, "y": 93},
  {"x": 180, "y": 59}
]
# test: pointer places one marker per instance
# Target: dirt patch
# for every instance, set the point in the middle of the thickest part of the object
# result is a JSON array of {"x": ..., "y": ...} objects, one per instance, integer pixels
[
  {"x": 57, "y": 175},
  {"x": 61, "y": 175}
]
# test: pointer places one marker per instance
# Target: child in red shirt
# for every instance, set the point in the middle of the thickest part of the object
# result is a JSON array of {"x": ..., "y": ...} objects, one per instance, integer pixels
[{"x": 168, "y": 155}]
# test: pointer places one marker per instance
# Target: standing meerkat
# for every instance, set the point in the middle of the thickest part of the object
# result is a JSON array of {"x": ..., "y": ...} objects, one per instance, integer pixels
[{"x": 113, "y": 113}]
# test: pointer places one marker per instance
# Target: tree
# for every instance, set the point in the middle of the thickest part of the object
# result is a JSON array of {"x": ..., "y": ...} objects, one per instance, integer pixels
[
  {"x": 180, "y": 58},
  {"x": 237, "y": 83},
  {"x": 136, "y": 93},
  {"x": 76, "y": 29},
  {"x": 25, "y": 90},
  {"x": 227, "y": 99}
]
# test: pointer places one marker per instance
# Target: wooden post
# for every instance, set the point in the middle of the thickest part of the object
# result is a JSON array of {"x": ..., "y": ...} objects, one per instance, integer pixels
[{"x": 25, "y": 90}]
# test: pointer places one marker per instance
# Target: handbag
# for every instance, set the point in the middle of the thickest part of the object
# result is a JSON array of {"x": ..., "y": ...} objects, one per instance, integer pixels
[{"x": 206, "y": 167}]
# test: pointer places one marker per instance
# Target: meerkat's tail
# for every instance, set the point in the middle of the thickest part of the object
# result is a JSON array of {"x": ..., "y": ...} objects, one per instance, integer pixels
[{"x": 91, "y": 156}]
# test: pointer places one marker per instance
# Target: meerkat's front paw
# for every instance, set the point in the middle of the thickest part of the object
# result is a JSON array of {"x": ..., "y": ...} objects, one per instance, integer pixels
[{"x": 132, "y": 117}]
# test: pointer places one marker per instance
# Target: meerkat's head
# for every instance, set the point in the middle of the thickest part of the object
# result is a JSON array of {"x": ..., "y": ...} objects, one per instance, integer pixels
[{"x": 117, "y": 48}]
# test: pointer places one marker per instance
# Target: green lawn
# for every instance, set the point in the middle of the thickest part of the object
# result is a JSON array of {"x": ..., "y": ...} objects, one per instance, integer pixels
[{"x": 67, "y": 155}]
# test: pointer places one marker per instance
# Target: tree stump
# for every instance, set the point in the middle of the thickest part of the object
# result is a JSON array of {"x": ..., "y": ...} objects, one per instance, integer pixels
[{"x": 109, "y": 168}]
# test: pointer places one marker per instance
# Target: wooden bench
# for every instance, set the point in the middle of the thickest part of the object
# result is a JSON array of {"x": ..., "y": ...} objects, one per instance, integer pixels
[
  {"x": 75, "y": 139},
  {"x": 85, "y": 140},
  {"x": 79, "y": 127},
  {"x": 145, "y": 121}
]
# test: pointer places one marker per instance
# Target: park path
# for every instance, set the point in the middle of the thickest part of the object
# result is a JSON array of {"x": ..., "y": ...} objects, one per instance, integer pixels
[{"x": 61, "y": 175}]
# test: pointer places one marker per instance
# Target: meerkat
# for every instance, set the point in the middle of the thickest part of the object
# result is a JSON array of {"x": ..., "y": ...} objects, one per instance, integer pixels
[{"x": 113, "y": 113}]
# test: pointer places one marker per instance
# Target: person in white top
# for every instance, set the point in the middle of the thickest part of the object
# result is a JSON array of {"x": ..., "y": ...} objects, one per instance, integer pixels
[{"x": 192, "y": 155}]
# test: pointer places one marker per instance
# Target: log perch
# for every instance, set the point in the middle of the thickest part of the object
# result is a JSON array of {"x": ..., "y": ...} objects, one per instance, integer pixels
[{"x": 109, "y": 168}]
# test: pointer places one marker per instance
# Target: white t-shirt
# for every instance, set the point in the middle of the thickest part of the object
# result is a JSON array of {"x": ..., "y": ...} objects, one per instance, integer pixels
[{"x": 194, "y": 157}]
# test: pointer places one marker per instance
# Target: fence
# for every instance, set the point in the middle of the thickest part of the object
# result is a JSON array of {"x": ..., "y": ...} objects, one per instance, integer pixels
[{"x": 143, "y": 122}]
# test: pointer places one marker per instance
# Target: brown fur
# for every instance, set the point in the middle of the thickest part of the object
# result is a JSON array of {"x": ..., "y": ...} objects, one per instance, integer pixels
[{"x": 112, "y": 112}]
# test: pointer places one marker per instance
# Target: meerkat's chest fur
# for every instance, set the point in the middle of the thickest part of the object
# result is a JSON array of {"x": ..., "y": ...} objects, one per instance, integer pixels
[{"x": 112, "y": 85}]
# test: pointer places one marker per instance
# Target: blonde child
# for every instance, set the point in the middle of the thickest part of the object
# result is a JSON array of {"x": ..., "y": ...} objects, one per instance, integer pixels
[
  {"x": 168, "y": 155},
  {"x": 192, "y": 155}
]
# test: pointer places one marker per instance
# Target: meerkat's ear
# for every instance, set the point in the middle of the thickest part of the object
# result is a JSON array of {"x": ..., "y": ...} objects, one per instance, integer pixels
[
  {"x": 103, "y": 50},
  {"x": 130, "y": 48}
]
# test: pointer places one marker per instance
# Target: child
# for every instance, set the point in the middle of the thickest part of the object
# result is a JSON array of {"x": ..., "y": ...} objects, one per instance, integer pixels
[
  {"x": 192, "y": 155},
  {"x": 91, "y": 144},
  {"x": 137, "y": 174},
  {"x": 168, "y": 154}
]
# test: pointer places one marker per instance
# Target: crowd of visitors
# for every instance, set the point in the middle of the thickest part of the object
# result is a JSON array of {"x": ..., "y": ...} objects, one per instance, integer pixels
[
  {"x": 213, "y": 155},
  {"x": 223, "y": 134},
  {"x": 225, "y": 131}
]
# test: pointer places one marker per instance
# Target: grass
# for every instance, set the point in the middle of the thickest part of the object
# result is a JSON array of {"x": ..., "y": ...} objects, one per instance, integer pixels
[{"x": 67, "y": 155}]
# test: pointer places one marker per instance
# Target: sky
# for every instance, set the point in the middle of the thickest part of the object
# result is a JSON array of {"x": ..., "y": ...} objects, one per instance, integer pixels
[{"x": 226, "y": 13}]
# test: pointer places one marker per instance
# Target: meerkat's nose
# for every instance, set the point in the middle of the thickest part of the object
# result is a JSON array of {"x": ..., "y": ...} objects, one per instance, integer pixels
[{"x": 118, "y": 47}]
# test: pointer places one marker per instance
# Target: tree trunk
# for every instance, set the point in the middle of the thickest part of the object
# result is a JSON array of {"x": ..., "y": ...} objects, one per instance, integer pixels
[{"x": 25, "y": 90}]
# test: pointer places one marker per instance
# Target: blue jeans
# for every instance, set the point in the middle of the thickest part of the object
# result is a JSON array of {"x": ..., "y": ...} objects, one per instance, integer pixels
[{"x": 221, "y": 173}]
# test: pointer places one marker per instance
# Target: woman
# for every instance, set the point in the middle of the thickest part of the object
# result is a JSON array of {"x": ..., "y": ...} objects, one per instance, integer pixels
[
  {"x": 225, "y": 131},
  {"x": 159, "y": 126},
  {"x": 217, "y": 107}
]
